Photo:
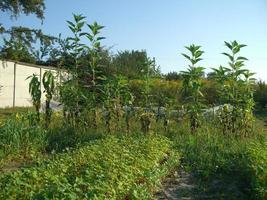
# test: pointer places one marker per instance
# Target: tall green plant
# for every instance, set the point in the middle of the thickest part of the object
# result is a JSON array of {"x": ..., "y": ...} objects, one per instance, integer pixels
[
  {"x": 236, "y": 90},
  {"x": 35, "y": 92},
  {"x": 49, "y": 89},
  {"x": 94, "y": 65},
  {"x": 86, "y": 82},
  {"x": 107, "y": 106},
  {"x": 128, "y": 106},
  {"x": 122, "y": 102},
  {"x": 192, "y": 85},
  {"x": 121, "y": 97},
  {"x": 146, "y": 115},
  {"x": 72, "y": 91}
]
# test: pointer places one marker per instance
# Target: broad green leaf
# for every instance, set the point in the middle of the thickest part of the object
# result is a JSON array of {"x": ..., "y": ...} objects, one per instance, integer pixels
[{"x": 186, "y": 56}]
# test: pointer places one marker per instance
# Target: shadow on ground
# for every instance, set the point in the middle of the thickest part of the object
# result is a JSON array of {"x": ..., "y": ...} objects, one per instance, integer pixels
[{"x": 182, "y": 185}]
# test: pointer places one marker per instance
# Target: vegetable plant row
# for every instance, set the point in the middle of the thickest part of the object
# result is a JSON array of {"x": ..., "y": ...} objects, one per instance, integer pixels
[{"x": 111, "y": 168}]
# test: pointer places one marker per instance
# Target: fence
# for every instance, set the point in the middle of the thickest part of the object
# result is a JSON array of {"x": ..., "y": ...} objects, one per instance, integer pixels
[{"x": 14, "y": 85}]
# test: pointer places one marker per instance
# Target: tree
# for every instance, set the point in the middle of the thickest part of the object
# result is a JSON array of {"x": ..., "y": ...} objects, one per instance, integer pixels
[
  {"x": 211, "y": 76},
  {"x": 132, "y": 64},
  {"x": 19, "y": 42},
  {"x": 173, "y": 76},
  {"x": 20, "y": 45},
  {"x": 15, "y": 7}
]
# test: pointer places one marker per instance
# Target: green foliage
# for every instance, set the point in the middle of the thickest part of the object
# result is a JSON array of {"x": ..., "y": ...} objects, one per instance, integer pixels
[
  {"x": 173, "y": 76},
  {"x": 192, "y": 85},
  {"x": 211, "y": 93},
  {"x": 211, "y": 156},
  {"x": 131, "y": 64},
  {"x": 86, "y": 82},
  {"x": 260, "y": 94},
  {"x": 26, "y": 7},
  {"x": 95, "y": 83},
  {"x": 120, "y": 167},
  {"x": 21, "y": 137},
  {"x": 122, "y": 101},
  {"x": 60, "y": 139},
  {"x": 49, "y": 89},
  {"x": 167, "y": 89},
  {"x": 6, "y": 113},
  {"x": 71, "y": 92},
  {"x": 107, "y": 95},
  {"x": 147, "y": 82},
  {"x": 146, "y": 115},
  {"x": 35, "y": 92},
  {"x": 113, "y": 168},
  {"x": 257, "y": 168},
  {"x": 16, "y": 50},
  {"x": 26, "y": 45},
  {"x": 236, "y": 90}
]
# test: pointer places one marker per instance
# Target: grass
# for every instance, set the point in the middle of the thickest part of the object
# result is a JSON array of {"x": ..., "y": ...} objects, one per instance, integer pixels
[
  {"x": 5, "y": 113},
  {"x": 215, "y": 159},
  {"x": 22, "y": 143}
]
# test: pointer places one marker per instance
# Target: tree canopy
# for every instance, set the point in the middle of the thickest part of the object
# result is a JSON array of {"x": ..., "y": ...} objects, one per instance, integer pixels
[{"x": 15, "y": 7}]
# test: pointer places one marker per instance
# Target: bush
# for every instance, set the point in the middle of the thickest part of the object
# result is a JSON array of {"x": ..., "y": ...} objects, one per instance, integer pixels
[
  {"x": 170, "y": 90},
  {"x": 111, "y": 168}
]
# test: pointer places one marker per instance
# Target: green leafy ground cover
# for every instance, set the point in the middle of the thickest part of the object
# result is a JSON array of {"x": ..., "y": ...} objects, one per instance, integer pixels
[{"x": 111, "y": 168}]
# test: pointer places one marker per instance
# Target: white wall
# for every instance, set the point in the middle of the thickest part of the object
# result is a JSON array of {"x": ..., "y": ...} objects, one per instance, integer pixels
[
  {"x": 15, "y": 87},
  {"x": 7, "y": 82}
]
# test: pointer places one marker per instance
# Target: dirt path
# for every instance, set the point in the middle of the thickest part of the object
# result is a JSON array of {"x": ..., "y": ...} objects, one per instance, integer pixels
[
  {"x": 183, "y": 186},
  {"x": 180, "y": 185}
]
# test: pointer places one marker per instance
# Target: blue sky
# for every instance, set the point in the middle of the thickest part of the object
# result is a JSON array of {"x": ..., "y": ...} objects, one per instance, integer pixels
[{"x": 163, "y": 28}]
